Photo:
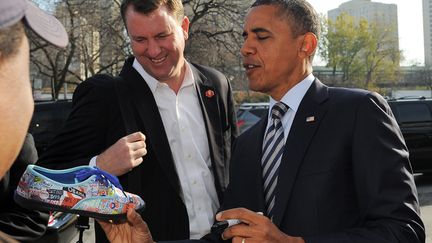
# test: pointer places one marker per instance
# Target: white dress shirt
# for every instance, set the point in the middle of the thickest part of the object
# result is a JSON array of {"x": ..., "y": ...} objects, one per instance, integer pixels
[
  {"x": 292, "y": 98},
  {"x": 185, "y": 128}
]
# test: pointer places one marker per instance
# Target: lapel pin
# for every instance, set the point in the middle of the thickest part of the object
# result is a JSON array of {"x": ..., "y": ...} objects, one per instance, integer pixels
[
  {"x": 310, "y": 119},
  {"x": 209, "y": 93}
]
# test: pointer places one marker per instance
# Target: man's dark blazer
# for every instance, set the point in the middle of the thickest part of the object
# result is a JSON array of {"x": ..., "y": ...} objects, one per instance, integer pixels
[
  {"x": 21, "y": 224},
  {"x": 345, "y": 175},
  {"x": 96, "y": 123}
]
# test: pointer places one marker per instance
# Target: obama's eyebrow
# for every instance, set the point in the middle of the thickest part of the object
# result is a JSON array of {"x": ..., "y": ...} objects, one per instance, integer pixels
[{"x": 256, "y": 31}]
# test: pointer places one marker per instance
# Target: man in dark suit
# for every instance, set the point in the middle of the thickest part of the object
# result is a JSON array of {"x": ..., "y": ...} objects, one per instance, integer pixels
[
  {"x": 178, "y": 114},
  {"x": 326, "y": 165}
]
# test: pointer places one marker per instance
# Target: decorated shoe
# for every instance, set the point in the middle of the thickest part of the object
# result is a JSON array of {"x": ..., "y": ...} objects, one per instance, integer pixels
[{"x": 84, "y": 190}]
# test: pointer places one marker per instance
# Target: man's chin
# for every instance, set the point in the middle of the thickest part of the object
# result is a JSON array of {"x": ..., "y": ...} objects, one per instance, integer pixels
[
  {"x": 254, "y": 86},
  {"x": 162, "y": 78}
]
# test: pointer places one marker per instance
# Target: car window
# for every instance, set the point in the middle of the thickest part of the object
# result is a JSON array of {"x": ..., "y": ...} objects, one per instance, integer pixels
[
  {"x": 240, "y": 112},
  {"x": 261, "y": 112},
  {"x": 413, "y": 113},
  {"x": 48, "y": 118},
  {"x": 250, "y": 116}
]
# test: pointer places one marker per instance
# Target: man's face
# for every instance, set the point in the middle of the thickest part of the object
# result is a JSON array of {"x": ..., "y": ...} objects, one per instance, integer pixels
[
  {"x": 16, "y": 105},
  {"x": 270, "y": 52},
  {"x": 158, "y": 42}
]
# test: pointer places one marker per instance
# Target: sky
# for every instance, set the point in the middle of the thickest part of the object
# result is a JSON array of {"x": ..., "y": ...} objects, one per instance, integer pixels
[{"x": 410, "y": 22}]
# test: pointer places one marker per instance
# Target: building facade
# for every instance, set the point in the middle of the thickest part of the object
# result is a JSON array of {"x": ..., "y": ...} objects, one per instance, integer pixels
[{"x": 382, "y": 14}]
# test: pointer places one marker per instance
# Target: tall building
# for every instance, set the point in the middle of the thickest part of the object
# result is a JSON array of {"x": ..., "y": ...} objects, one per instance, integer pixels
[
  {"x": 427, "y": 30},
  {"x": 384, "y": 15}
]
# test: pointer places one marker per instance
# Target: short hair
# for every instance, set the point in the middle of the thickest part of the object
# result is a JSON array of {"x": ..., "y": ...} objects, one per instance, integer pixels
[
  {"x": 147, "y": 6},
  {"x": 301, "y": 15},
  {"x": 10, "y": 40}
]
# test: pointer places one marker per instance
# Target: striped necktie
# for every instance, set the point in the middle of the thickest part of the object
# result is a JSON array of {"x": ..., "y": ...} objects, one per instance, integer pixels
[{"x": 272, "y": 154}]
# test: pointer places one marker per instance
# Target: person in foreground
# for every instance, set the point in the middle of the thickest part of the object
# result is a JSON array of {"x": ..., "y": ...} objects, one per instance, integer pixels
[
  {"x": 326, "y": 165},
  {"x": 22, "y": 224},
  {"x": 16, "y": 101},
  {"x": 180, "y": 115}
]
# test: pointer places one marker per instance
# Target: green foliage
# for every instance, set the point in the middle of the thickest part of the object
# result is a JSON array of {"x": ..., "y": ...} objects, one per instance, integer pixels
[
  {"x": 381, "y": 55},
  {"x": 365, "y": 52},
  {"x": 344, "y": 39}
]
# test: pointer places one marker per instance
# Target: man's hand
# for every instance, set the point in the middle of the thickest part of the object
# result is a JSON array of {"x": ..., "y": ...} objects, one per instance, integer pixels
[
  {"x": 124, "y": 155},
  {"x": 256, "y": 228},
  {"x": 133, "y": 230}
]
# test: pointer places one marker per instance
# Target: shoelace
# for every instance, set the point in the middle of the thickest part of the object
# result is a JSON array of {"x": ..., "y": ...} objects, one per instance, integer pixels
[{"x": 101, "y": 176}]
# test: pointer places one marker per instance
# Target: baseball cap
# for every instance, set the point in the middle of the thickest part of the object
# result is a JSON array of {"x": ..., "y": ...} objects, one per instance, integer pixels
[{"x": 43, "y": 24}]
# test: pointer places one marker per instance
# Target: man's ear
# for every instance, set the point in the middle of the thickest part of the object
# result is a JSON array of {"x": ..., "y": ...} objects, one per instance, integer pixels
[
  {"x": 185, "y": 27},
  {"x": 309, "y": 44}
]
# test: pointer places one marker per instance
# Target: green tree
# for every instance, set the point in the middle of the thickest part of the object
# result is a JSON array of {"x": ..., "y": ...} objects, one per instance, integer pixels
[
  {"x": 342, "y": 41},
  {"x": 365, "y": 52},
  {"x": 381, "y": 55}
]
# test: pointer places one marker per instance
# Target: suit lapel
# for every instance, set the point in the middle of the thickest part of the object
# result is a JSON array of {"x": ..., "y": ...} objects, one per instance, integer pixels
[
  {"x": 307, "y": 119},
  {"x": 254, "y": 164},
  {"x": 246, "y": 171},
  {"x": 145, "y": 105},
  {"x": 211, "y": 114}
]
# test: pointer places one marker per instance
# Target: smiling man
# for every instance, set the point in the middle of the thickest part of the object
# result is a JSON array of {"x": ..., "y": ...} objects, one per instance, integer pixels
[{"x": 178, "y": 114}]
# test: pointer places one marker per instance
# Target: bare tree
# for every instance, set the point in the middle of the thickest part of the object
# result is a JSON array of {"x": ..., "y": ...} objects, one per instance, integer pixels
[
  {"x": 215, "y": 35},
  {"x": 98, "y": 41}
]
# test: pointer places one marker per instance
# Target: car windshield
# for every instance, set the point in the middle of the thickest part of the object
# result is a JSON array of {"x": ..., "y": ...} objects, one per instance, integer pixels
[{"x": 250, "y": 113}]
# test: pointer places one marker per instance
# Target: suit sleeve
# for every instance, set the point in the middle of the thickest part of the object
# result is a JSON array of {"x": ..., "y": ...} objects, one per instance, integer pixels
[
  {"x": 232, "y": 118},
  {"x": 20, "y": 223},
  {"x": 232, "y": 115},
  {"x": 383, "y": 179},
  {"x": 83, "y": 133}
]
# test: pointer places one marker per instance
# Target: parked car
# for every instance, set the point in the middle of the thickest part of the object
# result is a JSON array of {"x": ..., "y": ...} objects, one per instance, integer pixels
[
  {"x": 47, "y": 120},
  {"x": 250, "y": 113},
  {"x": 61, "y": 228},
  {"x": 414, "y": 116}
]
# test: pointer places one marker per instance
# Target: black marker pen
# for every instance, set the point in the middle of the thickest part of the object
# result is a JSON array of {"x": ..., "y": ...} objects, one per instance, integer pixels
[{"x": 222, "y": 225}]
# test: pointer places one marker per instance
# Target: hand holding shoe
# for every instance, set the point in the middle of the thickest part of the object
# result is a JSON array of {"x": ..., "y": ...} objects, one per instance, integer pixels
[
  {"x": 134, "y": 230},
  {"x": 124, "y": 155}
]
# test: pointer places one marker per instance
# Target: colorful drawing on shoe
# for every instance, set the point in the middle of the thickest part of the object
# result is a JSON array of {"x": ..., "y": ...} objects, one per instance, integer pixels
[{"x": 92, "y": 193}]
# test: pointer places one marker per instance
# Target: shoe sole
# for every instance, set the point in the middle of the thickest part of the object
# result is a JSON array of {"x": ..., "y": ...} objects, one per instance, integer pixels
[{"x": 42, "y": 206}]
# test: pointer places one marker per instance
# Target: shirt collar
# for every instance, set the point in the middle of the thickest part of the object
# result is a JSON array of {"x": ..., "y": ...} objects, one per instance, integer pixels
[
  {"x": 294, "y": 96},
  {"x": 153, "y": 83}
]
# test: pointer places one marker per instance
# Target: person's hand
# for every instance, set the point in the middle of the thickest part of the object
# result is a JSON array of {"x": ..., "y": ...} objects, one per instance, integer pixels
[
  {"x": 255, "y": 228},
  {"x": 133, "y": 230},
  {"x": 124, "y": 155}
]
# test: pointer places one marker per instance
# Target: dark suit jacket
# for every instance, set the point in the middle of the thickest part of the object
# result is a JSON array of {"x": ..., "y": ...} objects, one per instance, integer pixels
[
  {"x": 20, "y": 223},
  {"x": 344, "y": 177},
  {"x": 96, "y": 123}
]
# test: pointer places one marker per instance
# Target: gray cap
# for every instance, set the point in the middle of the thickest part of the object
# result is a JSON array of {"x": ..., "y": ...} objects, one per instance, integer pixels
[{"x": 43, "y": 24}]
